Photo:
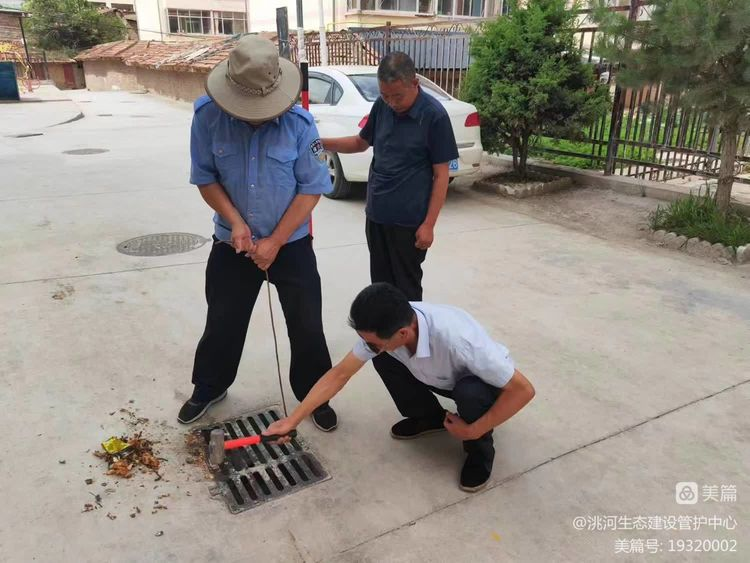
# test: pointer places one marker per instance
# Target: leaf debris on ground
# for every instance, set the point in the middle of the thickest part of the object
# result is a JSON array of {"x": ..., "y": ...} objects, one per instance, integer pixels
[{"x": 138, "y": 455}]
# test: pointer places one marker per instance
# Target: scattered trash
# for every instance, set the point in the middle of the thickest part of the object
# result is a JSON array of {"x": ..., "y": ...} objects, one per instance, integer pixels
[
  {"x": 97, "y": 499},
  {"x": 132, "y": 515},
  {"x": 111, "y": 516},
  {"x": 126, "y": 453},
  {"x": 159, "y": 534},
  {"x": 134, "y": 419},
  {"x": 61, "y": 462},
  {"x": 88, "y": 507},
  {"x": 115, "y": 446},
  {"x": 89, "y": 481}
]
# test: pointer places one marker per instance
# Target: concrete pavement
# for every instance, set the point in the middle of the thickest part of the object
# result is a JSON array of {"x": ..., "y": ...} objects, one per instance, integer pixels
[{"x": 640, "y": 361}]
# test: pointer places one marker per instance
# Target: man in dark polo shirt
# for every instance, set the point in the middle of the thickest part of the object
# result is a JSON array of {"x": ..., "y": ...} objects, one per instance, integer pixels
[{"x": 413, "y": 144}]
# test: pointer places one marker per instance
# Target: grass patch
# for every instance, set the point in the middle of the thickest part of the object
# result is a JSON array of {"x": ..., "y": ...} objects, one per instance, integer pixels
[{"x": 698, "y": 216}]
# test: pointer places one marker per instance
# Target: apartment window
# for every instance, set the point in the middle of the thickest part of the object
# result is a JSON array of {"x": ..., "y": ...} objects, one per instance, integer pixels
[
  {"x": 229, "y": 23},
  {"x": 470, "y": 8},
  {"x": 190, "y": 21},
  {"x": 386, "y": 5}
]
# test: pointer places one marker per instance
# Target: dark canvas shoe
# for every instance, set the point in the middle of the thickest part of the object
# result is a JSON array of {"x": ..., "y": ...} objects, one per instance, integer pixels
[
  {"x": 410, "y": 428},
  {"x": 192, "y": 411},
  {"x": 324, "y": 417},
  {"x": 474, "y": 475}
]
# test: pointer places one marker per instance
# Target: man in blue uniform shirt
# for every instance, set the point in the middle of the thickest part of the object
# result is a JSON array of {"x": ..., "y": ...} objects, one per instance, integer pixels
[{"x": 256, "y": 159}]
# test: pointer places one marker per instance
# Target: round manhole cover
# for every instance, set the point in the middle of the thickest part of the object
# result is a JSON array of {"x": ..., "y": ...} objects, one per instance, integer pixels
[
  {"x": 86, "y": 151},
  {"x": 161, "y": 244}
]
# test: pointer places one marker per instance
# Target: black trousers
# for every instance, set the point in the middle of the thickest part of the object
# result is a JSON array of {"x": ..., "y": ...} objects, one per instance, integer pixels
[
  {"x": 394, "y": 258},
  {"x": 414, "y": 399},
  {"x": 233, "y": 282}
]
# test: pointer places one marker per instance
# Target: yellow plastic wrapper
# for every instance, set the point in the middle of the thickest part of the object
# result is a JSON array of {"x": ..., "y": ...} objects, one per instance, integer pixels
[{"x": 114, "y": 446}]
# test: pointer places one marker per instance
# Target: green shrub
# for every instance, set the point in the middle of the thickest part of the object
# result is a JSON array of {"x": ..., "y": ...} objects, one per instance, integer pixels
[{"x": 699, "y": 216}]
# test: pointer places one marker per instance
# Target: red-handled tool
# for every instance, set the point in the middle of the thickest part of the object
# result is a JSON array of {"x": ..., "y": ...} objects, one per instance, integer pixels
[{"x": 217, "y": 445}]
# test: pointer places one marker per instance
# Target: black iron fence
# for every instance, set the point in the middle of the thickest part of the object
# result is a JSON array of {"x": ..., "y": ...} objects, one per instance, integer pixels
[
  {"x": 647, "y": 134},
  {"x": 440, "y": 51}
]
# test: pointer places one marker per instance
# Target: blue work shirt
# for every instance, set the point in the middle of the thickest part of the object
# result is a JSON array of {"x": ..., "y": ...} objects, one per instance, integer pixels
[
  {"x": 262, "y": 169},
  {"x": 404, "y": 149}
]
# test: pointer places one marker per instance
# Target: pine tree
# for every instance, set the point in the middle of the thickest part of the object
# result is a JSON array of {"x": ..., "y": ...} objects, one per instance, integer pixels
[
  {"x": 527, "y": 78},
  {"x": 700, "y": 51}
]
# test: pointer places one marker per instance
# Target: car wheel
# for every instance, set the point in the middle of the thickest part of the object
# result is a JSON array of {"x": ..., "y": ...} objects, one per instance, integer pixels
[{"x": 341, "y": 187}]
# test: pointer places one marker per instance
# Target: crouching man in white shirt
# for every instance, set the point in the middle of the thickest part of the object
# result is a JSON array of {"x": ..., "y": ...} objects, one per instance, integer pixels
[{"x": 442, "y": 350}]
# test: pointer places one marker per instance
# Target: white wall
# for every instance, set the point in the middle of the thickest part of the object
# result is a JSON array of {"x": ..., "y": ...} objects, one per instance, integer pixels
[
  {"x": 153, "y": 24},
  {"x": 263, "y": 14}
]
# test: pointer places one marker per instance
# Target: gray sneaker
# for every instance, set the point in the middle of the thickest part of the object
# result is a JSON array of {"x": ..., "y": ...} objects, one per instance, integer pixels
[{"x": 192, "y": 411}]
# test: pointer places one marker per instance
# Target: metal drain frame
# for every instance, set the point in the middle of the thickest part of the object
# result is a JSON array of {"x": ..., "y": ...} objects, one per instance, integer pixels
[
  {"x": 251, "y": 476},
  {"x": 161, "y": 244}
]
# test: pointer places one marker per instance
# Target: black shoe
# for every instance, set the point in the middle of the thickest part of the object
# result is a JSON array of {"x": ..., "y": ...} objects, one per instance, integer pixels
[
  {"x": 410, "y": 428},
  {"x": 324, "y": 417},
  {"x": 474, "y": 475},
  {"x": 192, "y": 411}
]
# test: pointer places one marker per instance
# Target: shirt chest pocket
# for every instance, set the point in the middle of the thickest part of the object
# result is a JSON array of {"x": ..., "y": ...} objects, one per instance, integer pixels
[
  {"x": 280, "y": 166},
  {"x": 229, "y": 161}
]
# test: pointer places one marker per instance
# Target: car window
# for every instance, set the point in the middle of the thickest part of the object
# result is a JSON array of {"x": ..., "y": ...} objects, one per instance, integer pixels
[
  {"x": 435, "y": 92},
  {"x": 367, "y": 84},
  {"x": 338, "y": 91},
  {"x": 320, "y": 90}
]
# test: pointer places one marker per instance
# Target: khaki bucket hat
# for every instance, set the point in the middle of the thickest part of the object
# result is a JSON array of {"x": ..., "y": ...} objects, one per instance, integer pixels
[{"x": 254, "y": 83}]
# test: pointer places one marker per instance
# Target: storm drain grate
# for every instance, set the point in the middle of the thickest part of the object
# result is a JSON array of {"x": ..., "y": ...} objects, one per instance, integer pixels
[
  {"x": 251, "y": 476},
  {"x": 161, "y": 244},
  {"x": 85, "y": 151}
]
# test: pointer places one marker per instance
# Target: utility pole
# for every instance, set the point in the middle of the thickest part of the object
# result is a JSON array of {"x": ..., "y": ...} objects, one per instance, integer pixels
[
  {"x": 323, "y": 44},
  {"x": 282, "y": 30},
  {"x": 302, "y": 57},
  {"x": 247, "y": 16},
  {"x": 26, "y": 46}
]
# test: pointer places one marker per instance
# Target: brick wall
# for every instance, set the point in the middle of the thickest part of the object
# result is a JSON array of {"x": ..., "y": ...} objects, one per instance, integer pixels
[
  {"x": 10, "y": 28},
  {"x": 110, "y": 75},
  {"x": 114, "y": 75},
  {"x": 186, "y": 86}
]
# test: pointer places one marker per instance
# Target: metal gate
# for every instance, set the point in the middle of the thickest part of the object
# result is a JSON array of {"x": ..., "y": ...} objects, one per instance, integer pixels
[{"x": 8, "y": 82}]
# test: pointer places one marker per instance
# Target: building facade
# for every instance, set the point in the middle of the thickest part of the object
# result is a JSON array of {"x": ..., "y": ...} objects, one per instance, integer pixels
[{"x": 174, "y": 19}]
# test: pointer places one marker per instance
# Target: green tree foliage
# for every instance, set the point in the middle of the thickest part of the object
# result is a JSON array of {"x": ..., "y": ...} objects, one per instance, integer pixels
[
  {"x": 700, "y": 51},
  {"x": 527, "y": 78},
  {"x": 71, "y": 25}
]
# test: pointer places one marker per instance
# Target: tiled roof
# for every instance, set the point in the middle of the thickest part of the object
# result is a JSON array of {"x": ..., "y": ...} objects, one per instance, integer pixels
[
  {"x": 114, "y": 50},
  {"x": 199, "y": 55}
]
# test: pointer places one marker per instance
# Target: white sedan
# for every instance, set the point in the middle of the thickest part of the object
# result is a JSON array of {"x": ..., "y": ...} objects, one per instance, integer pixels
[{"x": 341, "y": 98}]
